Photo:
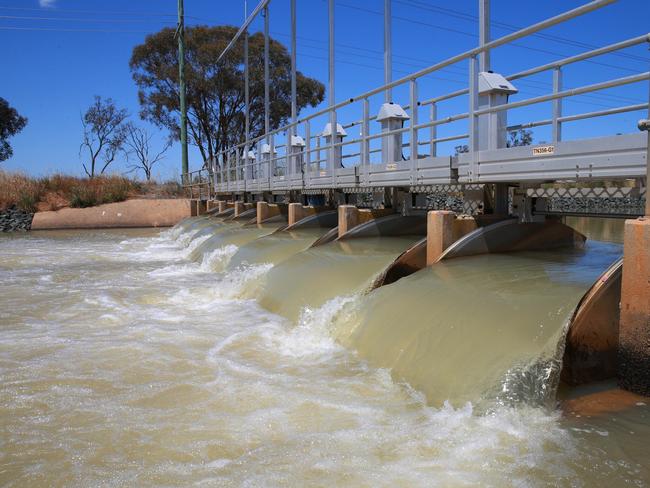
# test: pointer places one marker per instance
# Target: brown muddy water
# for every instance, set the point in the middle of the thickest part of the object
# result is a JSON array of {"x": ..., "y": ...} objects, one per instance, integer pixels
[{"x": 213, "y": 354}]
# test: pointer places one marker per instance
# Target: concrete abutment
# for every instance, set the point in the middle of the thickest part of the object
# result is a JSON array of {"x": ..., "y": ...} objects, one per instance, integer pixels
[{"x": 634, "y": 327}]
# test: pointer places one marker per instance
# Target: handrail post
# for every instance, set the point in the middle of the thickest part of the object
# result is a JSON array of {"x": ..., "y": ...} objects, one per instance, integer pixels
[
  {"x": 228, "y": 161},
  {"x": 433, "y": 131},
  {"x": 413, "y": 137},
  {"x": 223, "y": 171},
  {"x": 272, "y": 160},
  {"x": 365, "y": 143},
  {"x": 473, "y": 118},
  {"x": 237, "y": 168},
  {"x": 557, "y": 105},
  {"x": 306, "y": 171}
]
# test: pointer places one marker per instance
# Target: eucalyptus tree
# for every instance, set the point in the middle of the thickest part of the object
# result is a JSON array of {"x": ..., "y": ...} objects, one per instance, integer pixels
[
  {"x": 215, "y": 92},
  {"x": 11, "y": 123}
]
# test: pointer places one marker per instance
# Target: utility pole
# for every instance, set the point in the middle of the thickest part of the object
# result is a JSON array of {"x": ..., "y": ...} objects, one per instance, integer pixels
[
  {"x": 267, "y": 99},
  {"x": 180, "y": 32},
  {"x": 247, "y": 170}
]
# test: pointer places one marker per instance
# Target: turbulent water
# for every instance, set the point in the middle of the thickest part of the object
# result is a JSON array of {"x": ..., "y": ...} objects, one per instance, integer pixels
[{"x": 138, "y": 358}]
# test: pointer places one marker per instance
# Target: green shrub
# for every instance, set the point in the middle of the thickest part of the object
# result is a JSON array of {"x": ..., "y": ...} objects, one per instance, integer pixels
[
  {"x": 27, "y": 201},
  {"x": 82, "y": 197}
]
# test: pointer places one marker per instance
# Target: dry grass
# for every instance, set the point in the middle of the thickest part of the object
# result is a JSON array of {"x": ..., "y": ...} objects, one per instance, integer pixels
[
  {"x": 58, "y": 191},
  {"x": 20, "y": 190},
  {"x": 106, "y": 189}
]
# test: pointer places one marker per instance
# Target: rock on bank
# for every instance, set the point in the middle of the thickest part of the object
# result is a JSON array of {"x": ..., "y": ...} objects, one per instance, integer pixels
[
  {"x": 130, "y": 213},
  {"x": 13, "y": 219}
]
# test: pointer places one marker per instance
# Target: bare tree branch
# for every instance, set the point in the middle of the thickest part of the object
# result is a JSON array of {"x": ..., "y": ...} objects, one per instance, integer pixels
[
  {"x": 138, "y": 146},
  {"x": 104, "y": 133}
]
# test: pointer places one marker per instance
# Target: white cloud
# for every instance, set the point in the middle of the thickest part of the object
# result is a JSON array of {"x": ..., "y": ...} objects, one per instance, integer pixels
[{"x": 46, "y": 3}]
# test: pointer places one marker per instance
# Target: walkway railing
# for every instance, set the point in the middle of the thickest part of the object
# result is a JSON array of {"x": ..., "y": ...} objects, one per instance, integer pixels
[
  {"x": 321, "y": 160},
  {"x": 199, "y": 184}
]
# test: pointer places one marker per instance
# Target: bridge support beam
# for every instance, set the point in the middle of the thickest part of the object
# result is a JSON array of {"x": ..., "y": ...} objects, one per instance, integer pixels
[
  {"x": 239, "y": 208},
  {"x": 634, "y": 329},
  {"x": 440, "y": 233}
]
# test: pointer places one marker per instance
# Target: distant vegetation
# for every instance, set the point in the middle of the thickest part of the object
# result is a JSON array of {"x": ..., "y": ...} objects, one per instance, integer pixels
[
  {"x": 58, "y": 191},
  {"x": 215, "y": 92},
  {"x": 107, "y": 134},
  {"x": 11, "y": 123}
]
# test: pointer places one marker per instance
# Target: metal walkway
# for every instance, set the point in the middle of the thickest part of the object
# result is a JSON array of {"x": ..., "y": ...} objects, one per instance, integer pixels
[{"x": 398, "y": 147}]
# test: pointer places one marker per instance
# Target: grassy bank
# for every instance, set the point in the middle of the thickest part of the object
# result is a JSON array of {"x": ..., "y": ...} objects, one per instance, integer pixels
[{"x": 58, "y": 191}]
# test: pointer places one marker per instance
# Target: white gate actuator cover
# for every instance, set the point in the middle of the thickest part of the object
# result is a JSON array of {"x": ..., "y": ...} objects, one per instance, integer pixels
[
  {"x": 297, "y": 141},
  {"x": 327, "y": 131},
  {"x": 489, "y": 82},
  {"x": 391, "y": 111},
  {"x": 266, "y": 149}
]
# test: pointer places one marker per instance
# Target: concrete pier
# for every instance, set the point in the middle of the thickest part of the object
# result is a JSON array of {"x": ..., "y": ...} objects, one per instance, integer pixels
[
  {"x": 298, "y": 212},
  {"x": 199, "y": 207},
  {"x": 266, "y": 211},
  {"x": 348, "y": 218},
  {"x": 634, "y": 328},
  {"x": 440, "y": 233}
]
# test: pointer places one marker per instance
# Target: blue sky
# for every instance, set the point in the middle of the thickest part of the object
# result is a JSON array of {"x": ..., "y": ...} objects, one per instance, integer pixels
[{"x": 59, "y": 53}]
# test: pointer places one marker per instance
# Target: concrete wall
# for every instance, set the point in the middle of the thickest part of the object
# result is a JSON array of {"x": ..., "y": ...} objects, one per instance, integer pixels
[{"x": 131, "y": 213}]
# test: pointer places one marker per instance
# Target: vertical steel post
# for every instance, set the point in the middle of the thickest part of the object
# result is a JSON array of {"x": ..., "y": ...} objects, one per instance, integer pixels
[
  {"x": 228, "y": 159},
  {"x": 238, "y": 161},
  {"x": 413, "y": 136},
  {"x": 388, "y": 50},
  {"x": 272, "y": 159},
  {"x": 484, "y": 33},
  {"x": 307, "y": 170},
  {"x": 473, "y": 119},
  {"x": 267, "y": 100},
  {"x": 433, "y": 131},
  {"x": 332, "y": 100},
  {"x": 181, "y": 88},
  {"x": 365, "y": 143},
  {"x": 557, "y": 105},
  {"x": 246, "y": 100},
  {"x": 365, "y": 132}
]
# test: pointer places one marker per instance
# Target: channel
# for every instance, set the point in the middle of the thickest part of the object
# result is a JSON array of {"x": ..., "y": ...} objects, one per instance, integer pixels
[{"x": 234, "y": 354}]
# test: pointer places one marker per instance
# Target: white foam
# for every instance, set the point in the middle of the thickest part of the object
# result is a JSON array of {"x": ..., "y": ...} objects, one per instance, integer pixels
[
  {"x": 217, "y": 259},
  {"x": 194, "y": 243},
  {"x": 312, "y": 335}
]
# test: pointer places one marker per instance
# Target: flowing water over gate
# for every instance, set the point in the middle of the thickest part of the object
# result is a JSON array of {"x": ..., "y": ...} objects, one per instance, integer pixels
[{"x": 132, "y": 358}]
